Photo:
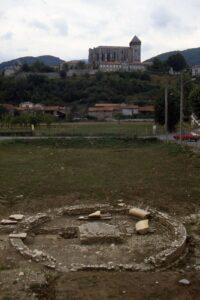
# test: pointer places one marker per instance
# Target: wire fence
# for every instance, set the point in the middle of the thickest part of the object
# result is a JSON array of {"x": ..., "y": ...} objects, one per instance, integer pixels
[{"x": 90, "y": 129}]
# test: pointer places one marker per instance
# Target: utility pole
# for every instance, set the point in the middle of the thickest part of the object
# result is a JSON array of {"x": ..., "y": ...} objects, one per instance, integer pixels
[
  {"x": 181, "y": 108},
  {"x": 166, "y": 112}
]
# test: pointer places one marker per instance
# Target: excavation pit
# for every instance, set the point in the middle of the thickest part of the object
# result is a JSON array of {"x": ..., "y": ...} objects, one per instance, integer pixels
[{"x": 65, "y": 242}]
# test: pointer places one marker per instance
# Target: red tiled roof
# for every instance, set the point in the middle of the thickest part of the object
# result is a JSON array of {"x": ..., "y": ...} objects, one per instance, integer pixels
[{"x": 148, "y": 108}]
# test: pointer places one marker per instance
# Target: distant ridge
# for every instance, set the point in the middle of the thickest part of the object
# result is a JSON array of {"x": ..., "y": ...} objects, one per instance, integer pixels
[
  {"x": 46, "y": 59},
  {"x": 192, "y": 56}
]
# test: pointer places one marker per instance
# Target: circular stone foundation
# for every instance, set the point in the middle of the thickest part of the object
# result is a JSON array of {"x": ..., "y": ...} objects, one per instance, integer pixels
[{"x": 66, "y": 239}]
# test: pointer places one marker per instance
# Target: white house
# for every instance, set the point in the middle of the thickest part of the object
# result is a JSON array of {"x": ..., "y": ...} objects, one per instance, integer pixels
[{"x": 196, "y": 70}]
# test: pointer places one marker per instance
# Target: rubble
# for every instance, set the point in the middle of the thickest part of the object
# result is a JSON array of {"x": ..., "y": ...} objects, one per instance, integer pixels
[
  {"x": 184, "y": 282},
  {"x": 16, "y": 217},
  {"x": 21, "y": 235},
  {"x": 8, "y": 222},
  {"x": 139, "y": 213},
  {"x": 95, "y": 215}
]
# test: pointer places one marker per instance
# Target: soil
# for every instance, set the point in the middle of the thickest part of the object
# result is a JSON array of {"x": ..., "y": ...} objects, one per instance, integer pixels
[{"x": 70, "y": 251}]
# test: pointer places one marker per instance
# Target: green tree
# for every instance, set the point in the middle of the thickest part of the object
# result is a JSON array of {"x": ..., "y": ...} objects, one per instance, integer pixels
[
  {"x": 158, "y": 65},
  {"x": 63, "y": 74},
  {"x": 195, "y": 100},
  {"x": 25, "y": 68},
  {"x": 173, "y": 110},
  {"x": 81, "y": 65},
  {"x": 3, "y": 111},
  {"x": 177, "y": 62},
  {"x": 65, "y": 67}
]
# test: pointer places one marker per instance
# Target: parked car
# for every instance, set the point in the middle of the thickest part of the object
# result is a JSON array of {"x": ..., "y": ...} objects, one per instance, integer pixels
[{"x": 193, "y": 136}]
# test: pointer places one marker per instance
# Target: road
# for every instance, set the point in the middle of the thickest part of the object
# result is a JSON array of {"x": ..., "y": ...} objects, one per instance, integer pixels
[{"x": 171, "y": 139}]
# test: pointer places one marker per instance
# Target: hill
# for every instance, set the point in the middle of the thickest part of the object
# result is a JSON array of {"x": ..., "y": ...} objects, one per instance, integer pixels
[
  {"x": 192, "y": 56},
  {"x": 46, "y": 59}
]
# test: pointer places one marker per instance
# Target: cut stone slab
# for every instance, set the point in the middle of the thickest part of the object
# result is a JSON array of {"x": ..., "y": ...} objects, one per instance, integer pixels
[
  {"x": 139, "y": 213},
  {"x": 142, "y": 227},
  {"x": 99, "y": 232},
  {"x": 8, "y": 222},
  {"x": 21, "y": 235},
  {"x": 17, "y": 217},
  {"x": 95, "y": 215}
]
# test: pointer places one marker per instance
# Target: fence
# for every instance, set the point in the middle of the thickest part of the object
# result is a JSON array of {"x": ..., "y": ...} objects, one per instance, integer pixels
[{"x": 86, "y": 129}]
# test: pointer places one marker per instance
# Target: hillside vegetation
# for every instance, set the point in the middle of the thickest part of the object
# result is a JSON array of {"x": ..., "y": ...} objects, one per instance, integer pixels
[
  {"x": 86, "y": 90},
  {"x": 192, "y": 56},
  {"x": 48, "y": 60}
]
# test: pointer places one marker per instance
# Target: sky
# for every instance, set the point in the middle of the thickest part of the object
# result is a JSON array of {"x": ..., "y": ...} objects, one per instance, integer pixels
[{"x": 68, "y": 28}]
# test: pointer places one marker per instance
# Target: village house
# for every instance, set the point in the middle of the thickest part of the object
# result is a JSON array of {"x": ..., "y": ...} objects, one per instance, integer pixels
[
  {"x": 196, "y": 70},
  {"x": 29, "y": 107},
  {"x": 109, "y": 111}
]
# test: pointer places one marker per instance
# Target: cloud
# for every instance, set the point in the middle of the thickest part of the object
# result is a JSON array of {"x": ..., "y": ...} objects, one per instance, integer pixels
[
  {"x": 162, "y": 18},
  {"x": 39, "y": 25},
  {"x": 61, "y": 27},
  {"x": 68, "y": 28},
  {"x": 7, "y": 36}
]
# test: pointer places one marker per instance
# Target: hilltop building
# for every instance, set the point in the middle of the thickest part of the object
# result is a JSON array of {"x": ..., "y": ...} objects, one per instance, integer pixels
[{"x": 117, "y": 58}]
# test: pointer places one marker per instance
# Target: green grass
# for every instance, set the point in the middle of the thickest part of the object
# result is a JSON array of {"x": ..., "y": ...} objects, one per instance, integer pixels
[
  {"x": 124, "y": 129},
  {"x": 51, "y": 173},
  {"x": 97, "y": 129}
]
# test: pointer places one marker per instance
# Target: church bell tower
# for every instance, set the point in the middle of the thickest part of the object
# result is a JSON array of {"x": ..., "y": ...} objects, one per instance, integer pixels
[{"x": 135, "y": 46}]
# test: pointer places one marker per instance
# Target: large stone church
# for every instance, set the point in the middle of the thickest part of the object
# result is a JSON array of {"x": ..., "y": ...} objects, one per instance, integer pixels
[{"x": 114, "y": 58}]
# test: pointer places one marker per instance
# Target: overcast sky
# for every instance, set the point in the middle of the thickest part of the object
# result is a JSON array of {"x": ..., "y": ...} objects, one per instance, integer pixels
[{"x": 67, "y": 28}]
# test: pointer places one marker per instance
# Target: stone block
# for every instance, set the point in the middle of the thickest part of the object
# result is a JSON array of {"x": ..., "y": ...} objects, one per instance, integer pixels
[
  {"x": 95, "y": 215},
  {"x": 99, "y": 232},
  {"x": 142, "y": 227},
  {"x": 139, "y": 213}
]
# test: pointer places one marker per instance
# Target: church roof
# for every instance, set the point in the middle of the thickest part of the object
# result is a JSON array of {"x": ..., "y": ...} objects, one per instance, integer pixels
[{"x": 135, "y": 40}]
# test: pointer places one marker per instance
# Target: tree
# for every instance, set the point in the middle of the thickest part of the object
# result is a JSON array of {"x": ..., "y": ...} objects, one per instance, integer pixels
[
  {"x": 177, "y": 62},
  {"x": 3, "y": 111},
  {"x": 25, "y": 68},
  {"x": 81, "y": 65},
  {"x": 63, "y": 74},
  {"x": 158, "y": 65},
  {"x": 195, "y": 100},
  {"x": 65, "y": 67},
  {"x": 173, "y": 110}
]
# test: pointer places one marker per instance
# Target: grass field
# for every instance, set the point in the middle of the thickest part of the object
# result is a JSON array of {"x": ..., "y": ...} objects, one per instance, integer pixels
[
  {"x": 36, "y": 175},
  {"x": 122, "y": 129}
]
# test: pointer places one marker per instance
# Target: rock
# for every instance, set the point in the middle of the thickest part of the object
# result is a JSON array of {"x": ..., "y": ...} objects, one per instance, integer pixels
[
  {"x": 21, "y": 235},
  {"x": 184, "y": 282},
  {"x": 21, "y": 273},
  {"x": 8, "y": 222},
  {"x": 99, "y": 232},
  {"x": 81, "y": 218},
  {"x": 121, "y": 204},
  {"x": 142, "y": 227},
  {"x": 16, "y": 217},
  {"x": 139, "y": 213},
  {"x": 95, "y": 215}
]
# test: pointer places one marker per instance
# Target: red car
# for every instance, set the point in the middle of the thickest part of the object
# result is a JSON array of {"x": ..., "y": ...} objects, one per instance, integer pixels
[{"x": 187, "y": 137}]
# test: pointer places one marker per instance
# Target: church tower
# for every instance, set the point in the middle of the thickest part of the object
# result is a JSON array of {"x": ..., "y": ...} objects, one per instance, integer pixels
[{"x": 135, "y": 46}]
